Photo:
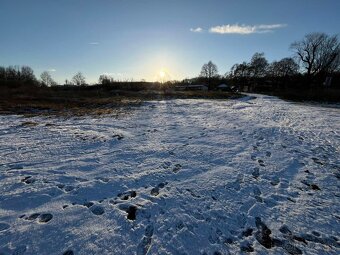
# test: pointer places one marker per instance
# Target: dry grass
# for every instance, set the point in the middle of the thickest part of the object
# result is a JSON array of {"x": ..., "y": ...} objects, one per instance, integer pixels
[{"x": 87, "y": 101}]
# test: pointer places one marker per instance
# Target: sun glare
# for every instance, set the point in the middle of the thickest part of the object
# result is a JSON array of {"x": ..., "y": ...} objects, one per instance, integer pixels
[{"x": 161, "y": 74}]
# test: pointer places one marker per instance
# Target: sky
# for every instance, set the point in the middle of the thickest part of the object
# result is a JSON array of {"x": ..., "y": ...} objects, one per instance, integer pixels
[{"x": 139, "y": 39}]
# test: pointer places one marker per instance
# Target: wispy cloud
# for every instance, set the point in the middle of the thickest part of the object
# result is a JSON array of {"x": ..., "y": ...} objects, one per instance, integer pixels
[
  {"x": 94, "y": 43},
  {"x": 51, "y": 70},
  {"x": 245, "y": 29},
  {"x": 196, "y": 30},
  {"x": 113, "y": 74}
]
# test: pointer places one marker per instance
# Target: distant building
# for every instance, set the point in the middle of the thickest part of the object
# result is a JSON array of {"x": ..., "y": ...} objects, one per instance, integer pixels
[{"x": 224, "y": 87}]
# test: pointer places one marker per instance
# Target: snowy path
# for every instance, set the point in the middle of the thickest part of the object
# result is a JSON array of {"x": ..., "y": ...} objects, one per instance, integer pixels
[{"x": 174, "y": 177}]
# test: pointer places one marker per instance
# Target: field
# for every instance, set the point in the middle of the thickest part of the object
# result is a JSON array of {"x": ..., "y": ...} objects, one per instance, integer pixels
[{"x": 181, "y": 176}]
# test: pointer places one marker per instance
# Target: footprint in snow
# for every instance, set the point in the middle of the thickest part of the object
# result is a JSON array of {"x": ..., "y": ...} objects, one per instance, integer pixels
[
  {"x": 131, "y": 211},
  {"x": 155, "y": 190},
  {"x": 317, "y": 161},
  {"x": 127, "y": 195},
  {"x": 247, "y": 232},
  {"x": 177, "y": 168},
  {"x": 65, "y": 188},
  {"x": 275, "y": 181},
  {"x": 261, "y": 162},
  {"x": 145, "y": 244},
  {"x": 256, "y": 172},
  {"x": 28, "y": 180},
  {"x": 46, "y": 217},
  {"x": 42, "y": 218},
  {"x": 263, "y": 236}
]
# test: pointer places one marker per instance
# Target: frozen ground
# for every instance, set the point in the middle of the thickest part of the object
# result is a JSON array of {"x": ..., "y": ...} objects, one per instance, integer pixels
[{"x": 174, "y": 177}]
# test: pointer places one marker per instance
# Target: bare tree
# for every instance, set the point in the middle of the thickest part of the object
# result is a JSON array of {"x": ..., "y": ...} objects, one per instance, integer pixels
[
  {"x": 318, "y": 53},
  {"x": 209, "y": 71},
  {"x": 283, "y": 68},
  {"x": 27, "y": 74},
  {"x": 78, "y": 79},
  {"x": 46, "y": 79}
]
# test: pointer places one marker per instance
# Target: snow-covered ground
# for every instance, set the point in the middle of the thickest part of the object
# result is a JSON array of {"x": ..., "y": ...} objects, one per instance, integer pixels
[{"x": 174, "y": 177}]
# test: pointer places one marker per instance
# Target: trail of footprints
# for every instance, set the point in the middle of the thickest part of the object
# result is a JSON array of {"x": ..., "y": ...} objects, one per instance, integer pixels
[{"x": 262, "y": 233}]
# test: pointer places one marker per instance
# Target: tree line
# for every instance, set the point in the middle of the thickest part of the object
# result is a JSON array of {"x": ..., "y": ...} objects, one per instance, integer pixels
[
  {"x": 316, "y": 61},
  {"x": 25, "y": 75}
]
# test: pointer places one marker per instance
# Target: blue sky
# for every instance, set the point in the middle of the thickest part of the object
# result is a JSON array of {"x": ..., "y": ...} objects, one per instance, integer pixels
[{"x": 136, "y": 39}]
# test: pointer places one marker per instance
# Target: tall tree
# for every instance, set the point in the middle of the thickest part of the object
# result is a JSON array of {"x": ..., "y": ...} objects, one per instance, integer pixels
[
  {"x": 209, "y": 71},
  {"x": 318, "y": 53}
]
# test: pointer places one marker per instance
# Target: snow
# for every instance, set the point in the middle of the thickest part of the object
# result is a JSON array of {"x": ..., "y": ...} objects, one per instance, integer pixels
[{"x": 174, "y": 177}]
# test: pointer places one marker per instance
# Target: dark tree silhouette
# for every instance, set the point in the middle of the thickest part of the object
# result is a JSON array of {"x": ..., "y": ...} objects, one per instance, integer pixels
[
  {"x": 283, "y": 68},
  {"x": 318, "y": 53},
  {"x": 240, "y": 71},
  {"x": 27, "y": 74},
  {"x": 209, "y": 71},
  {"x": 258, "y": 65}
]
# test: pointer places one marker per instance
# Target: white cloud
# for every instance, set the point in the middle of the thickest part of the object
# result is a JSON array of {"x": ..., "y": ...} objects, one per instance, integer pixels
[
  {"x": 51, "y": 70},
  {"x": 196, "y": 30},
  {"x": 245, "y": 29},
  {"x": 94, "y": 43}
]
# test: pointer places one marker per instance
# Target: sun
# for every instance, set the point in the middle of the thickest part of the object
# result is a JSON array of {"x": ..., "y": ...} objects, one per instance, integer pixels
[{"x": 162, "y": 74}]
